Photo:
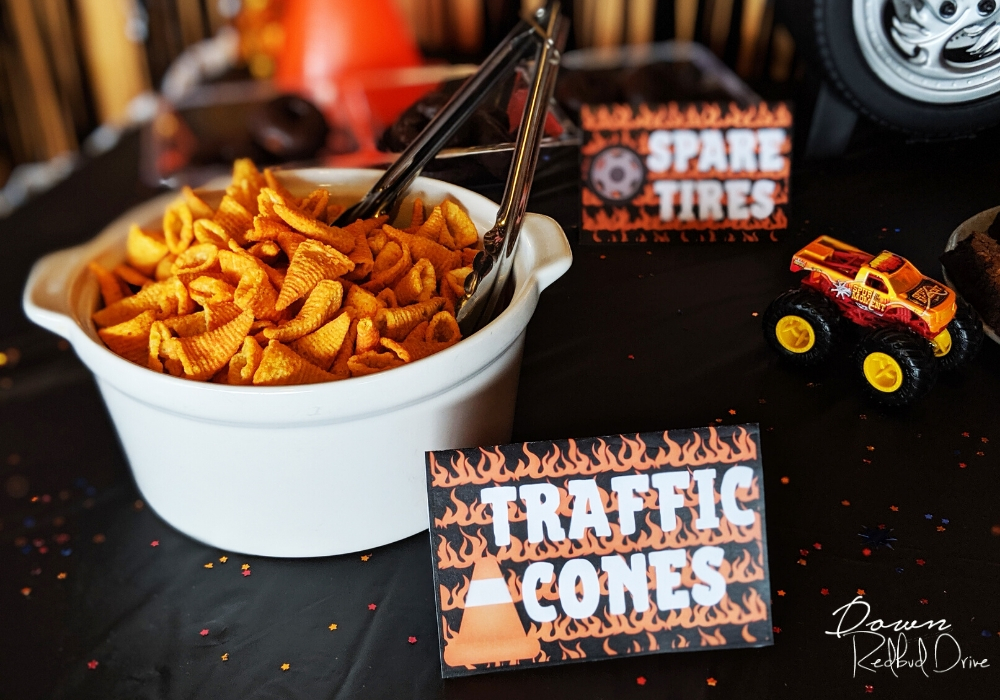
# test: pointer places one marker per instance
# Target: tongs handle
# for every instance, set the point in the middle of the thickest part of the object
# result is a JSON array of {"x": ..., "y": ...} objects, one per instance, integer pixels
[
  {"x": 497, "y": 66},
  {"x": 492, "y": 267}
]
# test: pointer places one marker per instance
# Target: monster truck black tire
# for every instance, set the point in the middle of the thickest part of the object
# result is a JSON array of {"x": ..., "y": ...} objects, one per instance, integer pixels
[
  {"x": 847, "y": 69},
  {"x": 914, "y": 360},
  {"x": 967, "y": 335},
  {"x": 821, "y": 315}
]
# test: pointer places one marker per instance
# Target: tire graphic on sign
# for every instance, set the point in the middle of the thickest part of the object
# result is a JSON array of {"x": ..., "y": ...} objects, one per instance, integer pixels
[{"x": 617, "y": 174}]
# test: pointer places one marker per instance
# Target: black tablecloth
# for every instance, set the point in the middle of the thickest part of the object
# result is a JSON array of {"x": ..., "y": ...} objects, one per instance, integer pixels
[{"x": 631, "y": 339}]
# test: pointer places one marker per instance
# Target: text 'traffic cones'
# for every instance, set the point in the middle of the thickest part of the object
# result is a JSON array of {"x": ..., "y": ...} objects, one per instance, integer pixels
[{"x": 491, "y": 630}]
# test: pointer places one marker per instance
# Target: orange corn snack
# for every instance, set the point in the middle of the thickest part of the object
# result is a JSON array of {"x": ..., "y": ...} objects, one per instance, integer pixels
[
  {"x": 312, "y": 262},
  {"x": 203, "y": 355},
  {"x": 131, "y": 338},
  {"x": 109, "y": 283},
  {"x": 321, "y": 347},
  {"x": 280, "y": 365},
  {"x": 243, "y": 365},
  {"x": 321, "y": 304},
  {"x": 265, "y": 291},
  {"x": 144, "y": 249},
  {"x": 397, "y": 323}
]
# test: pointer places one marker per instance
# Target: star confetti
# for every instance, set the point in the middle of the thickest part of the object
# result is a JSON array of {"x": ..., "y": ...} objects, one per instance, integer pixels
[
  {"x": 845, "y": 503},
  {"x": 877, "y": 537},
  {"x": 869, "y": 689},
  {"x": 785, "y": 479},
  {"x": 940, "y": 528},
  {"x": 285, "y": 667},
  {"x": 26, "y": 591},
  {"x": 870, "y": 448},
  {"x": 867, "y": 552},
  {"x": 411, "y": 639},
  {"x": 223, "y": 560},
  {"x": 204, "y": 633},
  {"x": 225, "y": 657},
  {"x": 641, "y": 680},
  {"x": 965, "y": 434},
  {"x": 801, "y": 562},
  {"x": 631, "y": 357},
  {"x": 923, "y": 601},
  {"x": 732, "y": 411},
  {"x": 209, "y": 565},
  {"x": 245, "y": 567},
  {"x": 99, "y": 539},
  {"x": 861, "y": 591},
  {"x": 711, "y": 681},
  {"x": 804, "y": 552},
  {"x": 372, "y": 606},
  {"x": 817, "y": 545},
  {"x": 824, "y": 591},
  {"x": 920, "y": 562},
  {"x": 366, "y": 557},
  {"x": 333, "y": 626},
  {"x": 154, "y": 543},
  {"x": 781, "y": 593},
  {"x": 894, "y": 509},
  {"x": 246, "y": 572},
  {"x": 61, "y": 575},
  {"x": 776, "y": 630},
  {"x": 92, "y": 664},
  {"x": 962, "y": 465}
]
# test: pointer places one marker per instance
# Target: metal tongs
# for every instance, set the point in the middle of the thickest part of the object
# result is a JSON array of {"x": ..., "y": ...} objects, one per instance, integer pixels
[{"x": 546, "y": 32}]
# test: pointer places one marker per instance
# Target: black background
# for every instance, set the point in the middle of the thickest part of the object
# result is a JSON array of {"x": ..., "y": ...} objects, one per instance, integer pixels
[{"x": 685, "y": 315}]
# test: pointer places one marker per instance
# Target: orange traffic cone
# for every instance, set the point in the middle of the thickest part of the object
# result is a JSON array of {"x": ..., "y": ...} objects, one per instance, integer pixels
[{"x": 491, "y": 630}]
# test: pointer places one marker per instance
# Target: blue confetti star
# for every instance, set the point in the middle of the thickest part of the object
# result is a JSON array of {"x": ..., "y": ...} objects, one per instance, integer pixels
[
  {"x": 945, "y": 521},
  {"x": 876, "y": 537},
  {"x": 928, "y": 516}
]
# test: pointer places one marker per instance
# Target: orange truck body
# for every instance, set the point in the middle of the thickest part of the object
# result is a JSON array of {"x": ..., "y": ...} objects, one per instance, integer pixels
[{"x": 876, "y": 290}]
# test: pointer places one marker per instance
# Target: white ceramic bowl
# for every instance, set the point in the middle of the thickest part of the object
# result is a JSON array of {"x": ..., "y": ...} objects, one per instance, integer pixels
[
  {"x": 302, "y": 471},
  {"x": 979, "y": 222}
]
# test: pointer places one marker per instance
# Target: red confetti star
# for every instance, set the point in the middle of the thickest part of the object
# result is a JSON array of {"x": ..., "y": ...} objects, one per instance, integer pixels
[
  {"x": 776, "y": 630},
  {"x": 785, "y": 479},
  {"x": 817, "y": 545},
  {"x": 711, "y": 681},
  {"x": 92, "y": 664},
  {"x": 154, "y": 543},
  {"x": 204, "y": 633},
  {"x": 411, "y": 639},
  {"x": 920, "y": 562},
  {"x": 824, "y": 591},
  {"x": 894, "y": 509},
  {"x": 26, "y": 591},
  {"x": 845, "y": 503},
  {"x": 246, "y": 572},
  {"x": 804, "y": 552},
  {"x": 867, "y": 552},
  {"x": 861, "y": 591},
  {"x": 641, "y": 680},
  {"x": 869, "y": 689},
  {"x": 801, "y": 562},
  {"x": 965, "y": 434},
  {"x": 372, "y": 606},
  {"x": 631, "y": 357},
  {"x": 923, "y": 601},
  {"x": 781, "y": 593},
  {"x": 962, "y": 465},
  {"x": 866, "y": 461},
  {"x": 732, "y": 411}
]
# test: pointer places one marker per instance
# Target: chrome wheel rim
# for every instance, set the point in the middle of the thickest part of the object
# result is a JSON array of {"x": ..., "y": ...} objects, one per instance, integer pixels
[{"x": 936, "y": 51}]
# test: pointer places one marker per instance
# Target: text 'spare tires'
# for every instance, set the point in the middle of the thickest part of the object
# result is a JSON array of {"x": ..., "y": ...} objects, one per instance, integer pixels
[
  {"x": 801, "y": 326},
  {"x": 960, "y": 341},
  {"x": 896, "y": 367}
]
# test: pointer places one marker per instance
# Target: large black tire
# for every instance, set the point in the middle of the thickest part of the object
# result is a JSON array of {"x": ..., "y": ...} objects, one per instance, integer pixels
[
  {"x": 914, "y": 358},
  {"x": 819, "y": 312},
  {"x": 845, "y": 65},
  {"x": 967, "y": 335}
]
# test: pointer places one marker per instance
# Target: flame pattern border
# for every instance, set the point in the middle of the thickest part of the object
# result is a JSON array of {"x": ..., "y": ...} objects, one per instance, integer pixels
[{"x": 460, "y": 534}]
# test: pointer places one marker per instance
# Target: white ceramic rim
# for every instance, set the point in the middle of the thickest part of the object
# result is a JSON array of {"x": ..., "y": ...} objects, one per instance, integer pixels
[
  {"x": 535, "y": 268},
  {"x": 979, "y": 222}
]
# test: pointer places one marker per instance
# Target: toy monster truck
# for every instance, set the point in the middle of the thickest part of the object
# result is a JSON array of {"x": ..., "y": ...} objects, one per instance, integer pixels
[{"x": 916, "y": 326}]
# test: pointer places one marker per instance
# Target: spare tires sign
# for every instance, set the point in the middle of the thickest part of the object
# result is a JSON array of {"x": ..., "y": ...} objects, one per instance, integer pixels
[{"x": 685, "y": 173}]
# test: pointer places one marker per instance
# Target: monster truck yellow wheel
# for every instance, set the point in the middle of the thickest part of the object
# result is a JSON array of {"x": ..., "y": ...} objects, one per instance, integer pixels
[
  {"x": 795, "y": 334},
  {"x": 942, "y": 343},
  {"x": 883, "y": 372}
]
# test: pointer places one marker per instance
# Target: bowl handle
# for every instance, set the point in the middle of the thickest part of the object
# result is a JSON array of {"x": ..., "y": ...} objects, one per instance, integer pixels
[
  {"x": 46, "y": 293},
  {"x": 553, "y": 255}
]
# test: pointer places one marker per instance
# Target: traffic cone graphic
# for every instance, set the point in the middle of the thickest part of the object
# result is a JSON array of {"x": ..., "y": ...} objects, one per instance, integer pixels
[{"x": 491, "y": 630}]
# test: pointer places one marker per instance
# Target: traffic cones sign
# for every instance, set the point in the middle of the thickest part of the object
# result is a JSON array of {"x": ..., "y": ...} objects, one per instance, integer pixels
[{"x": 491, "y": 630}]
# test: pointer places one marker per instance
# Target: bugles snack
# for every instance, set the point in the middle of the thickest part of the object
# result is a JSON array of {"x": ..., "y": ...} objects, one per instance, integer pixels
[{"x": 263, "y": 290}]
